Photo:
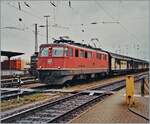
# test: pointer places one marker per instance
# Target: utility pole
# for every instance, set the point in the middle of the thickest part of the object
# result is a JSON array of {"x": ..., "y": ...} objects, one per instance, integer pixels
[
  {"x": 36, "y": 43},
  {"x": 47, "y": 28}
]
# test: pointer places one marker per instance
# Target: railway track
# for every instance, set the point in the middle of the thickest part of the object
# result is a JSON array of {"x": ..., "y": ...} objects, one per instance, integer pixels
[
  {"x": 14, "y": 93},
  {"x": 13, "y": 82},
  {"x": 64, "y": 109},
  {"x": 5, "y": 95}
]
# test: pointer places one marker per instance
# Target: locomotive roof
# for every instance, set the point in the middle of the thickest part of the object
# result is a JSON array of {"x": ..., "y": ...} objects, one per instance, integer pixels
[
  {"x": 126, "y": 57},
  {"x": 70, "y": 42}
]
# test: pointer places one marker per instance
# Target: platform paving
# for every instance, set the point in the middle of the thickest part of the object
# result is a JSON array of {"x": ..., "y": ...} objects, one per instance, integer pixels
[{"x": 113, "y": 109}]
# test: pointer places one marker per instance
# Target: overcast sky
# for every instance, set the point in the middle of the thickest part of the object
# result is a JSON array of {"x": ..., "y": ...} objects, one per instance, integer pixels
[{"x": 128, "y": 37}]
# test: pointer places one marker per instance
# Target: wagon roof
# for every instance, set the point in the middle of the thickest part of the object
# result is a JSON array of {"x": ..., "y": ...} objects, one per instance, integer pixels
[{"x": 126, "y": 57}]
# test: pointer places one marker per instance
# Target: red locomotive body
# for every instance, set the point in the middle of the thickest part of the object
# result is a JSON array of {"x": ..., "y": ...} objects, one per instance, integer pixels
[{"x": 63, "y": 61}]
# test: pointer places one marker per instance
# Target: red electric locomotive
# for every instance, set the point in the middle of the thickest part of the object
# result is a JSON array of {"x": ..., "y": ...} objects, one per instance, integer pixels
[{"x": 66, "y": 60}]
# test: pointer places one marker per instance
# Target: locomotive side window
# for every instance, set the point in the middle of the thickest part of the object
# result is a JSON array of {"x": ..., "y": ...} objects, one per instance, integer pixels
[
  {"x": 57, "y": 51},
  {"x": 85, "y": 54},
  {"x": 82, "y": 53},
  {"x": 105, "y": 57},
  {"x": 98, "y": 56},
  {"x": 89, "y": 55},
  {"x": 44, "y": 51},
  {"x": 102, "y": 56},
  {"x": 76, "y": 52},
  {"x": 71, "y": 52},
  {"x": 66, "y": 52}
]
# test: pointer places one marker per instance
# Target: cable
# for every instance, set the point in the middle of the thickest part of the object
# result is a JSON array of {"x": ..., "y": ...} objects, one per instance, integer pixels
[
  {"x": 105, "y": 10},
  {"x": 121, "y": 25},
  {"x": 137, "y": 113},
  {"x": 11, "y": 27},
  {"x": 24, "y": 11}
]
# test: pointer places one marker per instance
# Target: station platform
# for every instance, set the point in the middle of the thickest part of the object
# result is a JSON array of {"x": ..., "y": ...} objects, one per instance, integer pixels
[{"x": 114, "y": 109}]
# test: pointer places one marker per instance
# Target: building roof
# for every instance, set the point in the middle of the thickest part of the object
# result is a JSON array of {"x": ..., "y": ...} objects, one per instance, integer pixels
[{"x": 10, "y": 53}]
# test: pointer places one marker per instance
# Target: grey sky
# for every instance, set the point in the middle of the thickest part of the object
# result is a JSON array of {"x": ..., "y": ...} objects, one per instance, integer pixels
[{"x": 124, "y": 38}]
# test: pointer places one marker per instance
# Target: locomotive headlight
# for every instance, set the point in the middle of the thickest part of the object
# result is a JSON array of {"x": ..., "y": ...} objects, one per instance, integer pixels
[{"x": 58, "y": 67}]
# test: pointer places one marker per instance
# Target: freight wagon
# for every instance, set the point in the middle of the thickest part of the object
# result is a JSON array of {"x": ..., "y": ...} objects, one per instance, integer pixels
[{"x": 14, "y": 64}]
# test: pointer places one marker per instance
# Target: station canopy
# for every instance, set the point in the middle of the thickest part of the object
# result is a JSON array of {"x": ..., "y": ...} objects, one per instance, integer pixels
[{"x": 10, "y": 54}]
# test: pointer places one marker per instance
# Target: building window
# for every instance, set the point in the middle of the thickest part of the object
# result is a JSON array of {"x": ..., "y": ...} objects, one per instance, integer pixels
[{"x": 76, "y": 52}]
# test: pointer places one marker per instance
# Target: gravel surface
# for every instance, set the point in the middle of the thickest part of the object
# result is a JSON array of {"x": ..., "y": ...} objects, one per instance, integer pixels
[{"x": 31, "y": 104}]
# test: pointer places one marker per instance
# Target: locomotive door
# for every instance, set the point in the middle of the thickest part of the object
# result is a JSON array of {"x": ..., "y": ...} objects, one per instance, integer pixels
[{"x": 82, "y": 64}]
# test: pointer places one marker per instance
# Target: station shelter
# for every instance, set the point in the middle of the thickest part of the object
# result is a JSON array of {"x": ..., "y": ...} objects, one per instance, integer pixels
[{"x": 8, "y": 67}]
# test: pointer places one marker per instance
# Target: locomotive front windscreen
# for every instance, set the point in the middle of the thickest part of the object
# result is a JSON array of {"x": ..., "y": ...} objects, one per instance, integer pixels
[
  {"x": 53, "y": 51},
  {"x": 44, "y": 52},
  {"x": 57, "y": 51}
]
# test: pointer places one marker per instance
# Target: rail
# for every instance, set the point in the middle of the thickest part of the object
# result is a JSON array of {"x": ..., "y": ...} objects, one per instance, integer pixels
[{"x": 13, "y": 82}]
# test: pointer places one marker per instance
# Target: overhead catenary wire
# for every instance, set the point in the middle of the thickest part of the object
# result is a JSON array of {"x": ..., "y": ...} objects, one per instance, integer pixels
[
  {"x": 19, "y": 6},
  {"x": 131, "y": 34},
  {"x": 52, "y": 3},
  {"x": 58, "y": 26},
  {"x": 15, "y": 28},
  {"x": 69, "y": 3},
  {"x": 27, "y": 4},
  {"x": 121, "y": 25},
  {"x": 24, "y": 11}
]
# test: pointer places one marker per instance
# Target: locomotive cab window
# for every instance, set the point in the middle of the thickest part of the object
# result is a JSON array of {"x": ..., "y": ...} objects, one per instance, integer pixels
[
  {"x": 44, "y": 52},
  {"x": 57, "y": 51}
]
